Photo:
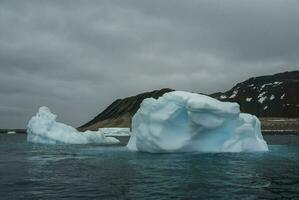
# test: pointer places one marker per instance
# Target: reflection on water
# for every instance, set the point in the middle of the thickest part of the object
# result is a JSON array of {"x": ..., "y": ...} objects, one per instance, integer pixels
[{"x": 29, "y": 171}]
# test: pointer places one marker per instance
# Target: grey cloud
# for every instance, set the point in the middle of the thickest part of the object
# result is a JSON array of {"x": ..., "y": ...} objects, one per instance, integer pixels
[{"x": 78, "y": 56}]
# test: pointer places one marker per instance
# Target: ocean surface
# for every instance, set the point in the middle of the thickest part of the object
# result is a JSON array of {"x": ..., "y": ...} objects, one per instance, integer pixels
[{"x": 32, "y": 171}]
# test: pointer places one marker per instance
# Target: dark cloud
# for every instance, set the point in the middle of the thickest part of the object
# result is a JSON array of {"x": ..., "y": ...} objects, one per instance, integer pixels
[{"x": 78, "y": 56}]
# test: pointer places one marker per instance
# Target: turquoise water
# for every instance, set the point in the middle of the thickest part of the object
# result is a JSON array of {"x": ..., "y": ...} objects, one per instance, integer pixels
[{"x": 31, "y": 171}]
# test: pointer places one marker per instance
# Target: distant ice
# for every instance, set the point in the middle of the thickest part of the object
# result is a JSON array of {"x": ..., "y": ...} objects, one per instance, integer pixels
[
  {"x": 43, "y": 128},
  {"x": 248, "y": 99},
  {"x": 115, "y": 131},
  {"x": 281, "y": 120},
  {"x": 188, "y": 122},
  {"x": 282, "y": 96}
]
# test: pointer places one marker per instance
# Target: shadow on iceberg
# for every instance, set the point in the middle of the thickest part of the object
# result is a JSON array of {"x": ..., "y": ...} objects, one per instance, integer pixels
[
  {"x": 43, "y": 128},
  {"x": 188, "y": 122}
]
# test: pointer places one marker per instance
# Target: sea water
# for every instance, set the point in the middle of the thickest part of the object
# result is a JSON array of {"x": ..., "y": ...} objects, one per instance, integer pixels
[{"x": 34, "y": 171}]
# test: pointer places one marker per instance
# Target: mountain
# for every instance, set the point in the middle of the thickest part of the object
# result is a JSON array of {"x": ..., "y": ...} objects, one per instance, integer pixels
[
  {"x": 121, "y": 111},
  {"x": 266, "y": 96}
]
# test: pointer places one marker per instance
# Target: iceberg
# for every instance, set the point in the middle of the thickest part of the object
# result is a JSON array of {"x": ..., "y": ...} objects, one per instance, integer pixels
[
  {"x": 43, "y": 128},
  {"x": 187, "y": 122}
]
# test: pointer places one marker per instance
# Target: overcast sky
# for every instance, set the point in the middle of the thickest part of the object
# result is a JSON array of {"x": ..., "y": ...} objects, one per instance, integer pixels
[{"x": 76, "y": 57}]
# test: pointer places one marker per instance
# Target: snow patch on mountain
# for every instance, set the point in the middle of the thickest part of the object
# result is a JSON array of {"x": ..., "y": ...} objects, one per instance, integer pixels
[
  {"x": 235, "y": 92},
  {"x": 272, "y": 97}
]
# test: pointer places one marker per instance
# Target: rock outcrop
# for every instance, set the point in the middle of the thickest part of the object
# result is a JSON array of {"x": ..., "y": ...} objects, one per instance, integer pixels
[{"x": 266, "y": 96}]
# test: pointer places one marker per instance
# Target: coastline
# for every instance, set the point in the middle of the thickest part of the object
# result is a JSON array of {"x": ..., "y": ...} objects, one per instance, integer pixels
[
  {"x": 264, "y": 132},
  {"x": 18, "y": 131},
  {"x": 269, "y": 125},
  {"x": 278, "y": 138}
]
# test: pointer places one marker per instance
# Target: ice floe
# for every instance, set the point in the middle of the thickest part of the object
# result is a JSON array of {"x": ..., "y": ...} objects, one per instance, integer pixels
[{"x": 111, "y": 132}]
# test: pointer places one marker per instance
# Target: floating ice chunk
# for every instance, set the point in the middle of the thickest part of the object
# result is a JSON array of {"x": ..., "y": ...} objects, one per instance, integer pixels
[
  {"x": 188, "y": 122},
  {"x": 282, "y": 96},
  {"x": 265, "y": 108},
  {"x": 115, "y": 131},
  {"x": 248, "y": 99},
  {"x": 43, "y": 128}
]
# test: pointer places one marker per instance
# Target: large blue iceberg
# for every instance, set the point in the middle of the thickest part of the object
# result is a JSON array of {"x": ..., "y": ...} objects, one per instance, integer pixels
[
  {"x": 188, "y": 122},
  {"x": 43, "y": 128}
]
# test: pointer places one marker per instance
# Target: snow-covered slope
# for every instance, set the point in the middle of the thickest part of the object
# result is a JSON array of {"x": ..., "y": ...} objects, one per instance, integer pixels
[
  {"x": 43, "y": 128},
  {"x": 266, "y": 96},
  {"x": 188, "y": 122}
]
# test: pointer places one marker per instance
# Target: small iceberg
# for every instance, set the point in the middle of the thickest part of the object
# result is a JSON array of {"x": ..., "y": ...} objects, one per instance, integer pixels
[
  {"x": 11, "y": 132},
  {"x": 115, "y": 132},
  {"x": 188, "y": 122},
  {"x": 43, "y": 128}
]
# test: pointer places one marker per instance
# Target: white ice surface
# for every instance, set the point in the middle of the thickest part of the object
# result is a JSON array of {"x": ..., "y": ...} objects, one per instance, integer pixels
[
  {"x": 188, "y": 122},
  {"x": 43, "y": 128},
  {"x": 115, "y": 131}
]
